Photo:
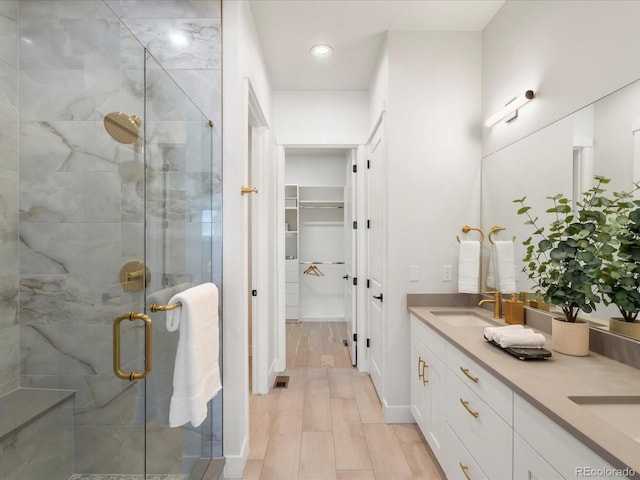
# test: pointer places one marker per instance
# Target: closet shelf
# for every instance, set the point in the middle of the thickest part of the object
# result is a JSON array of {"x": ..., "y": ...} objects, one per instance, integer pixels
[
  {"x": 321, "y": 204},
  {"x": 321, "y": 263}
]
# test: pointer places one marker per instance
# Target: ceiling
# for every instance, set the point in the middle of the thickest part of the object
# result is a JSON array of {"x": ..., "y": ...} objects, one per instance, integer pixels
[{"x": 355, "y": 29}]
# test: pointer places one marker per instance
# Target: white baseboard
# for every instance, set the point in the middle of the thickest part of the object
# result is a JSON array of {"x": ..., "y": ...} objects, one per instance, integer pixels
[
  {"x": 398, "y": 414},
  {"x": 234, "y": 464}
]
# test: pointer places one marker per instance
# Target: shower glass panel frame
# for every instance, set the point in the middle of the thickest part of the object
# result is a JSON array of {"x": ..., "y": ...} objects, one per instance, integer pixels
[{"x": 86, "y": 206}]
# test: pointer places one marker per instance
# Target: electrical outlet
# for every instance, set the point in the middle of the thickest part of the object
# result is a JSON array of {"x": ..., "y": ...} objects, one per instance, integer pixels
[{"x": 447, "y": 273}]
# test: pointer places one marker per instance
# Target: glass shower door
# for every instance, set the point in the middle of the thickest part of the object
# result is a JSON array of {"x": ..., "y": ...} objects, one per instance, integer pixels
[{"x": 178, "y": 210}]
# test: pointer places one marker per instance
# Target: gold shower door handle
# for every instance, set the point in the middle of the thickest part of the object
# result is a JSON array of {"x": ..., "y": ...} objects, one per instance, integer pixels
[{"x": 148, "y": 346}]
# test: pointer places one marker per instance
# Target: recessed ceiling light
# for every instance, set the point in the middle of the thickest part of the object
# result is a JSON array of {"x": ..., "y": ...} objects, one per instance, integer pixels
[{"x": 321, "y": 50}]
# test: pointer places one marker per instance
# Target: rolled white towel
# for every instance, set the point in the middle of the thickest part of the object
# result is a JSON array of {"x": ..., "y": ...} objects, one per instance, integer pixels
[
  {"x": 526, "y": 338},
  {"x": 491, "y": 333}
]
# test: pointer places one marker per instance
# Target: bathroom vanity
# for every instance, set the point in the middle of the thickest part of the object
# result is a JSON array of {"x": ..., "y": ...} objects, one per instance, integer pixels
[{"x": 488, "y": 415}]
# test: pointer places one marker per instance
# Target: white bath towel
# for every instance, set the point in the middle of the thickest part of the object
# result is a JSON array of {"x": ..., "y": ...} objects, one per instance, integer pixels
[
  {"x": 504, "y": 266},
  {"x": 491, "y": 333},
  {"x": 196, "y": 375},
  {"x": 525, "y": 338},
  {"x": 153, "y": 399},
  {"x": 469, "y": 266}
]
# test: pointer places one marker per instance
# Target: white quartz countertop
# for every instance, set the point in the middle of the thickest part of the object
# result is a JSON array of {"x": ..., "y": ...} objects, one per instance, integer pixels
[{"x": 549, "y": 383}]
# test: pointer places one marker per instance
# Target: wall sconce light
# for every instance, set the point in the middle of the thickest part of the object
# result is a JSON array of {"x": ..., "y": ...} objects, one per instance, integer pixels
[{"x": 510, "y": 111}]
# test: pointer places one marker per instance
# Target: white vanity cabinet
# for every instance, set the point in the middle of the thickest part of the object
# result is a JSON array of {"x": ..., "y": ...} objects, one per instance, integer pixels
[
  {"x": 529, "y": 464},
  {"x": 550, "y": 443},
  {"x": 479, "y": 412},
  {"x": 479, "y": 427},
  {"x": 427, "y": 384}
]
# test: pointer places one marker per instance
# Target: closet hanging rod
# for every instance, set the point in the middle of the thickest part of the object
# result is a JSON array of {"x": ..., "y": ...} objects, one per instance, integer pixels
[{"x": 321, "y": 263}]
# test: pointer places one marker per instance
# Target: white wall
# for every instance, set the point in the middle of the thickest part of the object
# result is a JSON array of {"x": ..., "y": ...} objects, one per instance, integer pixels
[
  {"x": 433, "y": 172},
  {"x": 570, "y": 53},
  {"x": 243, "y": 62},
  {"x": 319, "y": 116}
]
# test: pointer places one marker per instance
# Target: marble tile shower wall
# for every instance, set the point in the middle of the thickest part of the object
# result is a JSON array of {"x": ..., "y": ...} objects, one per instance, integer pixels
[
  {"x": 9, "y": 328},
  {"x": 74, "y": 215}
]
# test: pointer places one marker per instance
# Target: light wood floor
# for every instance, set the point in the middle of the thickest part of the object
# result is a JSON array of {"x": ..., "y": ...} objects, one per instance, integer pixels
[{"x": 328, "y": 423}]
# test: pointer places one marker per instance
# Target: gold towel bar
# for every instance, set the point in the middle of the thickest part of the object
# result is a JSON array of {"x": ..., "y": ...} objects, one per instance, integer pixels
[
  {"x": 163, "y": 308},
  {"x": 495, "y": 229},
  {"x": 467, "y": 229}
]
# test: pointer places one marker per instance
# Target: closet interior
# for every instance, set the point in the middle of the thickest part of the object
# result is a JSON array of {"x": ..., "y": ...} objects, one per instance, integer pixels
[{"x": 317, "y": 240}]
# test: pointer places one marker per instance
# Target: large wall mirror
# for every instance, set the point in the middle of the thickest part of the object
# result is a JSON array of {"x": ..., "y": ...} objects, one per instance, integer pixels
[{"x": 600, "y": 139}]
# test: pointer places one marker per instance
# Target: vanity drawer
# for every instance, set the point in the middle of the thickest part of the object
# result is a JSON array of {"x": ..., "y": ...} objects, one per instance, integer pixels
[
  {"x": 459, "y": 464},
  {"x": 486, "y": 436},
  {"x": 495, "y": 393}
]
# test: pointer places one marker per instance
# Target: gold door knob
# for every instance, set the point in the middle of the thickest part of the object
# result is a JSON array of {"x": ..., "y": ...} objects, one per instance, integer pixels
[{"x": 244, "y": 190}]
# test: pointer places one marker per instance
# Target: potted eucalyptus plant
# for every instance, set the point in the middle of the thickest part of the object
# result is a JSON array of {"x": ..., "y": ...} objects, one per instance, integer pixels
[
  {"x": 619, "y": 277},
  {"x": 564, "y": 261}
]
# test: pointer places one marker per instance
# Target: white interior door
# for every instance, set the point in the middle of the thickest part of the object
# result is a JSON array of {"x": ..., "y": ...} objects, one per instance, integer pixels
[
  {"x": 375, "y": 229},
  {"x": 350, "y": 245}
]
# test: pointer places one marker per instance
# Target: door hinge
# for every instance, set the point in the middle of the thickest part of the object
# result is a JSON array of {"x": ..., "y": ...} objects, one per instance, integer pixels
[
  {"x": 355, "y": 168},
  {"x": 254, "y": 293},
  {"x": 355, "y": 280},
  {"x": 355, "y": 337},
  {"x": 368, "y": 342},
  {"x": 368, "y": 163},
  {"x": 368, "y": 283},
  {"x": 368, "y": 223},
  {"x": 355, "y": 225}
]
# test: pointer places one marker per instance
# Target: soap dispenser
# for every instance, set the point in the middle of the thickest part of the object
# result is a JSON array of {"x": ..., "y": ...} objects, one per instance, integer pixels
[{"x": 514, "y": 310}]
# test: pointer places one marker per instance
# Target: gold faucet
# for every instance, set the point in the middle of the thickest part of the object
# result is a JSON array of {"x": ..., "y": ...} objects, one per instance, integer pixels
[{"x": 497, "y": 303}]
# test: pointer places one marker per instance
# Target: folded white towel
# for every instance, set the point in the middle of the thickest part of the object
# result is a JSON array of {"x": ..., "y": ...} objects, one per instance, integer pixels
[
  {"x": 490, "y": 333},
  {"x": 505, "y": 265},
  {"x": 526, "y": 338},
  {"x": 196, "y": 375},
  {"x": 469, "y": 266}
]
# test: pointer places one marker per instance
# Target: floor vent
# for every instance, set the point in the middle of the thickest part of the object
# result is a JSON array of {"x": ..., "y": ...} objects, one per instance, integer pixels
[
  {"x": 345, "y": 343},
  {"x": 282, "y": 381}
]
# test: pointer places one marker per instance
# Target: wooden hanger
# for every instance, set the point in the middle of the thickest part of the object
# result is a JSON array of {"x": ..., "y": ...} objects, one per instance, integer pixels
[{"x": 314, "y": 270}]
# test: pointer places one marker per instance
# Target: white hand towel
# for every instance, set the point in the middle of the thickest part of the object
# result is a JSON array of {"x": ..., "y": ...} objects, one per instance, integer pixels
[
  {"x": 196, "y": 375},
  {"x": 526, "y": 338},
  {"x": 491, "y": 273},
  {"x": 505, "y": 266},
  {"x": 491, "y": 333},
  {"x": 469, "y": 266}
]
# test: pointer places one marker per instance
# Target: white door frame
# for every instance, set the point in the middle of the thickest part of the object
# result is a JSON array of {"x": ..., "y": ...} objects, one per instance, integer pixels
[
  {"x": 259, "y": 271},
  {"x": 354, "y": 142}
]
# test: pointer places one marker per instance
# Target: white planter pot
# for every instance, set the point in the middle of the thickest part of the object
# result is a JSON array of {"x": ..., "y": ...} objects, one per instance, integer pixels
[
  {"x": 570, "y": 338},
  {"x": 628, "y": 329}
]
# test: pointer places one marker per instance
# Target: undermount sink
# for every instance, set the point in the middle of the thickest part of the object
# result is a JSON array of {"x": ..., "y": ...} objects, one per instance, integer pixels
[
  {"x": 621, "y": 412},
  {"x": 461, "y": 318}
]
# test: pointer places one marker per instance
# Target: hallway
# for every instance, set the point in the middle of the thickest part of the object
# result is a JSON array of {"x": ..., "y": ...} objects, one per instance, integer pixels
[{"x": 328, "y": 424}]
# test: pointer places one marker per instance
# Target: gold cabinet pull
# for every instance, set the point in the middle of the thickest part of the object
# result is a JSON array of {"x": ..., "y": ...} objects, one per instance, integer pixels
[
  {"x": 420, "y": 369},
  {"x": 424, "y": 378},
  {"x": 466, "y": 372},
  {"x": 465, "y": 404},
  {"x": 464, "y": 469},
  {"x": 244, "y": 190},
  {"x": 148, "y": 346}
]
